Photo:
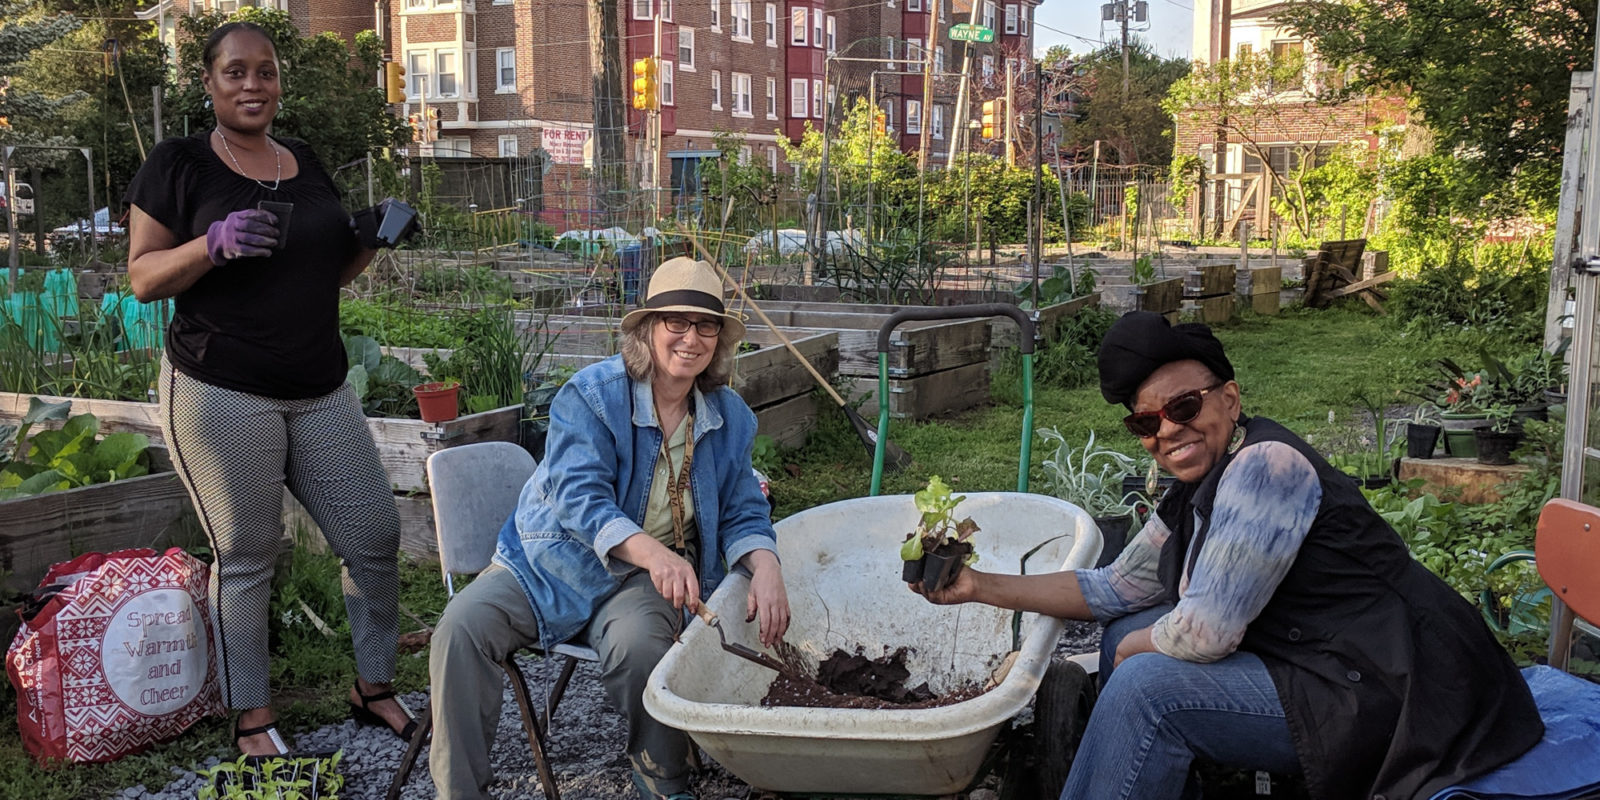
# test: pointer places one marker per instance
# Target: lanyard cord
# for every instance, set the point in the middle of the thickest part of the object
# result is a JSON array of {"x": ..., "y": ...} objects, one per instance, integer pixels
[{"x": 679, "y": 483}]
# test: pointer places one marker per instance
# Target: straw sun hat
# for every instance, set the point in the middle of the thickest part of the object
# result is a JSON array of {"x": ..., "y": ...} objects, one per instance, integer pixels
[{"x": 684, "y": 284}]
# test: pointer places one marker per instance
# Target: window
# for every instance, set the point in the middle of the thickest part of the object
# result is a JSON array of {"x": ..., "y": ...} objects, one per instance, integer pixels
[
  {"x": 641, "y": 9},
  {"x": 1011, "y": 19},
  {"x": 772, "y": 98},
  {"x": 686, "y": 48},
  {"x": 938, "y": 122},
  {"x": 453, "y": 147},
  {"x": 741, "y": 94},
  {"x": 1023, "y": 20},
  {"x": 797, "y": 26},
  {"x": 666, "y": 10},
  {"x": 797, "y": 97},
  {"x": 668, "y": 97},
  {"x": 914, "y": 53},
  {"x": 508, "y": 145},
  {"x": 1289, "y": 53},
  {"x": 914, "y": 117},
  {"x": 988, "y": 14},
  {"x": 772, "y": 159},
  {"x": 913, "y": 5},
  {"x": 744, "y": 155},
  {"x": 938, "y": 58},
  {"x": 1246, "y": 51},
  {"x": 888, "y": 53},
  {"x": 448, "y": 85},
  {"x": 988, "y": 68},
  {"x": 741, "y": 20},
  {"x": 944, "y": 8},
  {"x": 505, "y": 69},
  {"x": 716, "y": 90},
  {"x": 417, "y": 73},
  {"x": 833, "y": 34},
  {"x": 816, "y": 27},
  {"x": 772, "y": 25},
  {"x": 816, "y": 98},
  {"x": 888, "y": 115},
  {"x": 224, "y": 5},
  {"x": 716, "y": 15}
]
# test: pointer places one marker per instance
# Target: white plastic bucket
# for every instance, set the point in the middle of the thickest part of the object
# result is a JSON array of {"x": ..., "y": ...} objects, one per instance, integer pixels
[{"x": 842, "y": 569}]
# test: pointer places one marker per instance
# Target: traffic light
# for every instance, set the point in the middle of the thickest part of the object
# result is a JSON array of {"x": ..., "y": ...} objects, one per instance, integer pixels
[
  {"x": 990, "y": 110},
  {"x": 394, "y": 81},
  {"x": 645, "y": 91},
  {"x": 414, "y": 121},
  {"x": 431, "y": 124}
]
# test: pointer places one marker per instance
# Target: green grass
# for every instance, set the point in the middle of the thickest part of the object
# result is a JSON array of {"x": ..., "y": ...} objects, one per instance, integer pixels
[{"x": 1294, "y": 368}]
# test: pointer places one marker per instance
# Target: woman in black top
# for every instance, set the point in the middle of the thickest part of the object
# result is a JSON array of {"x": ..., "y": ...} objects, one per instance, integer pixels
[{"x": 252, "y": 387}]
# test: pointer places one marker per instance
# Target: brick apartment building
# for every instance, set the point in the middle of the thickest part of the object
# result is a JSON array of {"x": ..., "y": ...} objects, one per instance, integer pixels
[
  {"x": 1305, "y": 130},
  {"x": 511, "y": 78}
]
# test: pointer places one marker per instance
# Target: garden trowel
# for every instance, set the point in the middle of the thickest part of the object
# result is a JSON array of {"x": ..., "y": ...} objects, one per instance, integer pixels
[{"x": 746, "y": 652}]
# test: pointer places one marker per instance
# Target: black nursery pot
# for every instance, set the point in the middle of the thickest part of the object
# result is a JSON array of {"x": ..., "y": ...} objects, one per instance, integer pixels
[
  {"x": 1421, "y": 439},
  {"x": 941, "y": 565},
  {"x": 1495, "y": 448},
  {"x": 911, "y": 571},
  {"x": 1114, "y": 533}
]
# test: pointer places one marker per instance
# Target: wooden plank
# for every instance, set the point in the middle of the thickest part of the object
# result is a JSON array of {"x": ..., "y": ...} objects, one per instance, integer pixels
[
  {"x": 405, "y": 444},
  {"x": 1264, "y": 280},
  {"x": 790, "y": 421},
  {"x": 1209, "y": 280},
  {"x": 924, "y": 396},
  {"x": 1265, "y": 303},
  {"x": 1361, "y": 286},
  {"x": 417, "y": 536},
  {"x": 1160, "y": 296},
  {"x": 1215, "y": 310},
  {"x": 150, "y": 511},
  {"x": 773, "y": 374},
  {"x": 114, "y": 415}
]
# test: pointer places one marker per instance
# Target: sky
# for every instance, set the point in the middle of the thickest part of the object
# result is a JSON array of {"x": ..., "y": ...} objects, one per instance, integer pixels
[{"x": 1076, "y": 23}]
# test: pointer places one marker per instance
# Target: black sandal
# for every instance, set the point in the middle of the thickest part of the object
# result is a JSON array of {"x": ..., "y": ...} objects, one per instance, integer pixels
[
  {"x": 270, "y": 729},
  {"x": 364, "y": 713}
]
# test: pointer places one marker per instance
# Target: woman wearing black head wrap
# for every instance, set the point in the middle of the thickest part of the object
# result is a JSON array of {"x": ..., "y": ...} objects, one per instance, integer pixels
[{"x": 1266, "y": 617}]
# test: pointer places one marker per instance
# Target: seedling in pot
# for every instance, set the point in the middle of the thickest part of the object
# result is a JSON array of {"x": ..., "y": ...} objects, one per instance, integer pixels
[{"x": 935, "y": 552}]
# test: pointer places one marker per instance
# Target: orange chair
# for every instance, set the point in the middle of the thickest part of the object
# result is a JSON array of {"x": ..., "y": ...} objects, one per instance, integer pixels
[{"x": 1567, "y": 555}]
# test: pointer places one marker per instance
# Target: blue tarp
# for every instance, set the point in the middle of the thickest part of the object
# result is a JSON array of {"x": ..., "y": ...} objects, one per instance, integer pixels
[{"x": 1565, "y": 764}]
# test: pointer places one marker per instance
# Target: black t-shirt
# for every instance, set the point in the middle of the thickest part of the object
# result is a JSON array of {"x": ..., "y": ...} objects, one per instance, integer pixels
[{"x": 267, "y": 326}]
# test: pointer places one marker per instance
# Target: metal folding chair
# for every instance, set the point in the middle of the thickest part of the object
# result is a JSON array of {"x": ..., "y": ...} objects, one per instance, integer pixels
[{"x": 475, "y": 487}]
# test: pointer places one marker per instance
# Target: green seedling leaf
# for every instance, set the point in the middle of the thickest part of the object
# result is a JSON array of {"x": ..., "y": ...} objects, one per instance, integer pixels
[
  {"x": 393, "y": 370},
  {"x": 911, "y": 550},
  {"x": 120, "y": 452},
  {"x": 357, "y": 378},
  {"x": 363, "y": 350},
  {"x": 47, "y": 481},
  {"x": 41, "y": 411}
]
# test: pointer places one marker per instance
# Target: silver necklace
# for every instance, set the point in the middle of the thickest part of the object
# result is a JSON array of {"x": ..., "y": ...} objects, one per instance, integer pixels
[{"x": 275, "y": 154}]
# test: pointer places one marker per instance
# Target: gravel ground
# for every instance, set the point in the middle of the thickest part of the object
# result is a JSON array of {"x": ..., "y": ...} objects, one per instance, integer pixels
[{"x": 586, "y": 748}]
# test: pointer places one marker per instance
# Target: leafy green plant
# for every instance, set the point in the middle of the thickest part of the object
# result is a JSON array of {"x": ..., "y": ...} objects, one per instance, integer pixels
[
  {"x": 1091, "y": 477},
  {"x": 286, "y": 778},
  {"x": 938, "y": 525},
  {"x": 764, "y": 455},
  {"x": 494, "y": 362},
  {"x": 1502, "y": 418},
  {"x": 68, "y": 457},
  {"x": 381, "y": 381},
  {"x": 1143, "y": 271}
]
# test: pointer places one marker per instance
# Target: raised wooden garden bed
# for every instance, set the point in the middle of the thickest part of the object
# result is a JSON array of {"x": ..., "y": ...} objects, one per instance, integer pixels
[
  {"x": 1209, "y": 280},
  {"x": 1262, "y": 288},
  {"x": 1163, "y": 297},
  {"x": 149, "y": 511}
]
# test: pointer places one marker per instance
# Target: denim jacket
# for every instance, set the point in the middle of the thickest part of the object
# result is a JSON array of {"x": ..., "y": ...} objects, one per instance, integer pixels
[{"x": 590, "y": 493}]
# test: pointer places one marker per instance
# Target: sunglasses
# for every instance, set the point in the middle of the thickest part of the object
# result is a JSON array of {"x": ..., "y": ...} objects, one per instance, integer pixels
[
  {"x": 1181, "y": 409},
  {"x": 706, "y": 327}
]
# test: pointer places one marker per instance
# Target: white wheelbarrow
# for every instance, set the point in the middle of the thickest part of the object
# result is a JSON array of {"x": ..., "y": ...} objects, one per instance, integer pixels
[{"x": 841, "y": 565}]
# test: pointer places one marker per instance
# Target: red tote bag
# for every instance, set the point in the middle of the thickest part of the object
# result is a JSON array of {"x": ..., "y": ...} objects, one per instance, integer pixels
[{"x": 114, "y": 655}]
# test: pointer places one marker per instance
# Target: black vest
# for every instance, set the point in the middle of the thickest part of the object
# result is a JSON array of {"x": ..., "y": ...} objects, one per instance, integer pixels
[{"x": 1392, "y": 683}]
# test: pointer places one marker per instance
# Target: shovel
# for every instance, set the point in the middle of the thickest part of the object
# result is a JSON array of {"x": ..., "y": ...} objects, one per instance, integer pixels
[{"x": 743, "y": 651}]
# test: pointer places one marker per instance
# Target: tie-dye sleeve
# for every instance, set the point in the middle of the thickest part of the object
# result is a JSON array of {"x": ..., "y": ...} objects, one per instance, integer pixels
[
  {"x": 1131, "y": 582},
  {"x": 1265, "y": 504}
]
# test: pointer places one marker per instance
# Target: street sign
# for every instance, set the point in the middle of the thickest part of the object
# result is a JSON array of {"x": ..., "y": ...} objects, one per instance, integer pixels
[{"x": 967, "y": 32}]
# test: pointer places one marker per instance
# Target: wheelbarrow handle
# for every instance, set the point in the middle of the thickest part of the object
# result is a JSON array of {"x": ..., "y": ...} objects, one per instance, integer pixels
[{"x": 959, "y": 312}]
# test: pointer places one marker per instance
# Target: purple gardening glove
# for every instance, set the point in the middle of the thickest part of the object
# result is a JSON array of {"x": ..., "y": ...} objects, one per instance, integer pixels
[{"x": 242, "y": 234}]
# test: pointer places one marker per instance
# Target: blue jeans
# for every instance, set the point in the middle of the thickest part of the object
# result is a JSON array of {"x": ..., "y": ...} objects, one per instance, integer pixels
[{"x": 1157, "y": 713}]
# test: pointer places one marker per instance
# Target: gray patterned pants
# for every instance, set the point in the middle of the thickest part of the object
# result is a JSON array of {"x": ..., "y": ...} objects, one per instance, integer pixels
[{"x": 235, "y": 452}]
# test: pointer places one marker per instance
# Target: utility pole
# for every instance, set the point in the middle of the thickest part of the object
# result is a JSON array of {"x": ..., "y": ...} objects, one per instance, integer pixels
[
  {"x": 1124, "y": 10},
  {"x": 1222, "y": 18},
  {"x": 654, "y": 141},
  {"x": 1011, "y": 112},
  {"x": 1038, "y": 184},
  {"x": 958, "y": 127},
  {"x": 925, "y": 138},
  {"x": 610, "y": 120}
]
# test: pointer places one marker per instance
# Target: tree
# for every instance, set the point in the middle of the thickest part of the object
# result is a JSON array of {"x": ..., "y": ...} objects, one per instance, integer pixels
[
  {"x": 1249, "y": 97},
  {"x": 330, "y": 98},
  {"x": 1136, "y": 128},
  {"x": 25, "y": 28},
  {"x": 1490, "y": 77}
]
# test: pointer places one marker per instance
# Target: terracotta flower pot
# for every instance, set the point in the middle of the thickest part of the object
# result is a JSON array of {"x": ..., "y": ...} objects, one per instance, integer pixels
[{"x": 437, "y": 402}]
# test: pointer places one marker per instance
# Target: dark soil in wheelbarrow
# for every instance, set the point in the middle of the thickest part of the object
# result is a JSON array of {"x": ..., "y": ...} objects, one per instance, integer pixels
[{"x": 844, "y": 680}]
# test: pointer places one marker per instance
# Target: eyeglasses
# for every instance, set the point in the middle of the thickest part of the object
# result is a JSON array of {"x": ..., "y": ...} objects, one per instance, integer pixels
[
  {"x": 708, "y": 328},
  {"x": 1181, "y": 409}
]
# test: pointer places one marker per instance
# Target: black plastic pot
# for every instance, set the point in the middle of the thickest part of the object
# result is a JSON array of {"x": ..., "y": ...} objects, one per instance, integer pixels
[
  {"x": 1114, "y": 532},
  {"x": 911, "y": 571},
  {"x": 940, "y": 566},
  {"x": 1421, "y": 439},
  {"x": 1495, "y": 447}
]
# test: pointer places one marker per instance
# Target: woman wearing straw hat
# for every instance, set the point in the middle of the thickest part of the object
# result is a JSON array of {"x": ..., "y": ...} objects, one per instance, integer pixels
[{"x": 645, "y": 495}]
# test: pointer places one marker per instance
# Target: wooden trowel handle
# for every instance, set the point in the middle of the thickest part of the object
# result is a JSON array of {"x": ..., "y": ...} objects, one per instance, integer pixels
[{"x": 706, "y": 615}]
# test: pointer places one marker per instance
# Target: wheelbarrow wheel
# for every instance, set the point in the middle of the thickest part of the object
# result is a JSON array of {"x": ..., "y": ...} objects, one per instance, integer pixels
[{"x": 1060, "y": 713}]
